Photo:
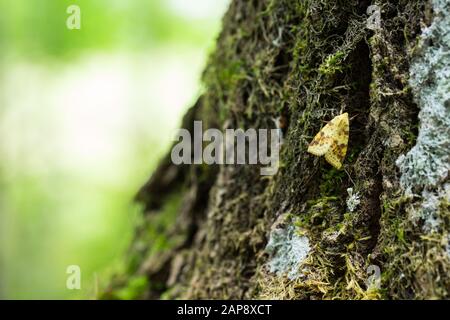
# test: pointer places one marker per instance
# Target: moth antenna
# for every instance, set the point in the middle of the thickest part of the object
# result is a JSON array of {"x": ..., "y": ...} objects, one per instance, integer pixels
[{"x": 350, "y": 177}]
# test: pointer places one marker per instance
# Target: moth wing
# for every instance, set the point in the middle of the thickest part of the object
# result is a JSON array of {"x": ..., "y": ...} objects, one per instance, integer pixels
[
  {"x": 323, "y": 140},
  {"x": 336, "y": 155},
  {"x": 344, "y": 126},
  {"x": 338, "y": 150},
  {"x": 320, "y": 144}
]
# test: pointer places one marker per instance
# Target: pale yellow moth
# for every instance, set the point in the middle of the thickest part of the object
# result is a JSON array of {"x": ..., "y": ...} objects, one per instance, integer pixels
[{"x": 332, "y": 141}]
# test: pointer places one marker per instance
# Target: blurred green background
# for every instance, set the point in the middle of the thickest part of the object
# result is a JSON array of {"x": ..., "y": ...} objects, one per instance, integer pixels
[{"x": 84, "y": 117}]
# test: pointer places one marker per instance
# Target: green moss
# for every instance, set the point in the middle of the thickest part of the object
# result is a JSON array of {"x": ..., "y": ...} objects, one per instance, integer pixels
[
  {"x": 332, "y": 64},
  {"x": 332, "y": 181},
  {"x": 156, "y": 226},
  {"x": 134, "y": 289}
]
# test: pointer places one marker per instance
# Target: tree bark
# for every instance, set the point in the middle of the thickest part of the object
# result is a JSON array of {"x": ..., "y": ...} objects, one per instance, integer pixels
[{"x": 228, "y": 232}]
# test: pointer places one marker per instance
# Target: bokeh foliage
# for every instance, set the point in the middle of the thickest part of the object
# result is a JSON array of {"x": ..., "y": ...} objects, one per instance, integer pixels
[{"x": 58, "y": 209}]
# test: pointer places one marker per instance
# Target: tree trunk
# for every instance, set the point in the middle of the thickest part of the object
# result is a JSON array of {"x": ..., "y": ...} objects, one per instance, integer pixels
[{"x": 377, "y": 228}]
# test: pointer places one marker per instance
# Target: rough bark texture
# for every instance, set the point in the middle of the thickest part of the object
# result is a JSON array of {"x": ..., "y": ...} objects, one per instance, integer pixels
[{"x": 205, "y": 229}]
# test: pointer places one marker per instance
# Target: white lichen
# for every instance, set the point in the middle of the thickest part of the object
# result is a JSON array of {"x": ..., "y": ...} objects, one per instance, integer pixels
[
  {"x": 287, "y": 250},
  {"x": 426, "y": 167},
  {"x": 428, "y": 211},
  {"x": 352, "y": 200}
]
